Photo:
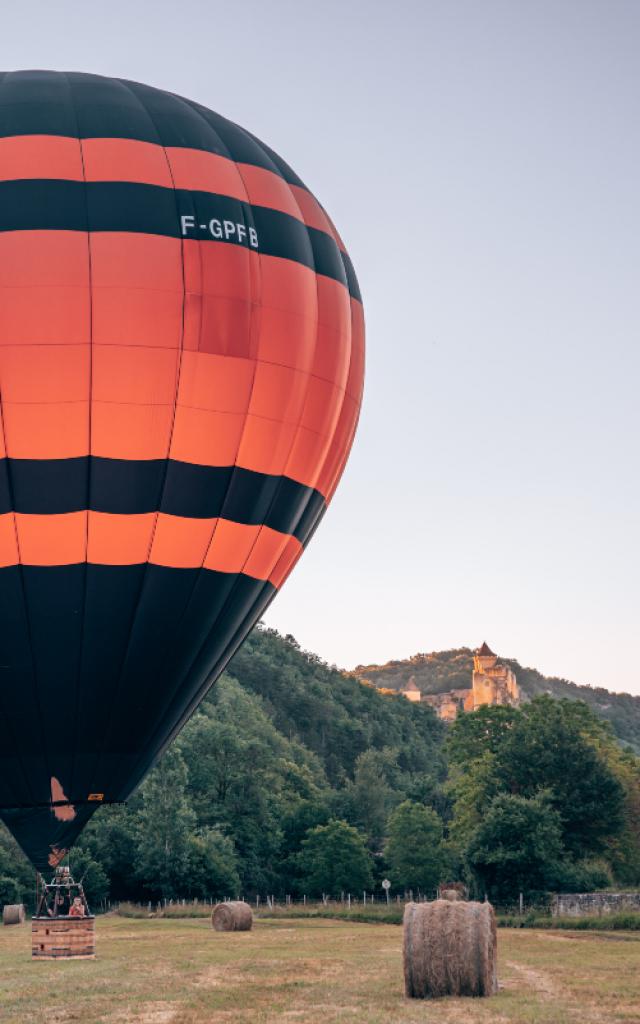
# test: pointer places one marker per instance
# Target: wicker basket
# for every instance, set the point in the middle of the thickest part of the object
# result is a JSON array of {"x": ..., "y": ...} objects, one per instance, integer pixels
[{"x": 63, "y": 938}]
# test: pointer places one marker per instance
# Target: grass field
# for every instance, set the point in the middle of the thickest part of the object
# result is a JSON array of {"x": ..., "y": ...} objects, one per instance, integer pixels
[{"x": 304, "y": 971}]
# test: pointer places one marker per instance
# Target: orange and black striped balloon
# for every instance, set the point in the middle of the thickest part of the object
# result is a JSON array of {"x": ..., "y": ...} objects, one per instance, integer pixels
[{"x": 181, "y": 367}]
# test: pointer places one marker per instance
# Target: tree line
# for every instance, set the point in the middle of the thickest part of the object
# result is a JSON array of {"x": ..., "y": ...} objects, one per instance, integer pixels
[{"x": 294, "y": 778}]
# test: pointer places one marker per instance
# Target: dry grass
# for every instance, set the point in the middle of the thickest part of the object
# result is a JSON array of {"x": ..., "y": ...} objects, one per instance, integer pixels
[{"x": 308, "y": 972}]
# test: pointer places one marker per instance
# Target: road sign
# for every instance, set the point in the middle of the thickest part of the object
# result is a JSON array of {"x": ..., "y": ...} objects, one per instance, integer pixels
[{"x": 386, "y": 884}]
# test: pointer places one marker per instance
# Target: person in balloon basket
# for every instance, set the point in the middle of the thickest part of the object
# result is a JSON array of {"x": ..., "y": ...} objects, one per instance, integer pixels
[{"x": 77, "y": 908}]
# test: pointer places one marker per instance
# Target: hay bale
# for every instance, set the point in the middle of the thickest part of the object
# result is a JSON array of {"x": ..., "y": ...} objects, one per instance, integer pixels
[
  {"x": 234, "y": 916},
  {"x": 450, "y": 949},
  {"x": 13, "y": 913},
  {"x": 452, "y": 895}
]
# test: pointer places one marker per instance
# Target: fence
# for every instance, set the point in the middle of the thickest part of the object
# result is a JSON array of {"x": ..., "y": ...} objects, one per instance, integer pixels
[
  {"x": 346, "y": 901},
  {"x": 271, "y": 902}
]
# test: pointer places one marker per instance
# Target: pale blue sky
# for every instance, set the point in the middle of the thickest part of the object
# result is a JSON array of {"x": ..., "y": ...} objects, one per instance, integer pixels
[{"x": 481, "y": 160}]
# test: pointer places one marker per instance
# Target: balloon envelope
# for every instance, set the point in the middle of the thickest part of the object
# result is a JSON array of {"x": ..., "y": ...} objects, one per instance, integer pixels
[{"x": 181, "y": 366}]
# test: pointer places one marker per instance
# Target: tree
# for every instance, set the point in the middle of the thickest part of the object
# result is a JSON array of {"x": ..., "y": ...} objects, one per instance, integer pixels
[
  {"x": 164, "y": 826},
  {"x": 517, "y": 847},
  {"x": 334, "y": 859},
  {"x": 111, "y": 838},
  {"x": 554, "y": 745},
  {"x": 248, "y": 779},
  {"x": 623, "y": 851},
  {"x": 14, "y": 867},
  {"x": 213, "y": 869},
  {"x": 369, "y": 798},
  {"x": 481, "y": 732},
  {"x": 414, "y": 848}
]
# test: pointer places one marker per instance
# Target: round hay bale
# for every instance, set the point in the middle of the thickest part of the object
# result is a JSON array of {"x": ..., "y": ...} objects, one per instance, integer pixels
[
  {"x": 450, "y": 949},
  {"x": 452, "y": 895},
  {"x": 13, "y": 913},
  {"x": 234, "y": 916}
]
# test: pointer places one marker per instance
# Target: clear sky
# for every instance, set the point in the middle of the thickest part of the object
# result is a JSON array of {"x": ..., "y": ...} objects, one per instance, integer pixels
[{"x": 481, "y": 159}]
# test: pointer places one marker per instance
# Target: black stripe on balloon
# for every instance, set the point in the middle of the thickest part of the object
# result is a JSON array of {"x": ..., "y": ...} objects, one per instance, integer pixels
[
  {"x": 127, "y": 487},
  {"x": 59, "y": 205},
  {"x": 37, "y": 103}
]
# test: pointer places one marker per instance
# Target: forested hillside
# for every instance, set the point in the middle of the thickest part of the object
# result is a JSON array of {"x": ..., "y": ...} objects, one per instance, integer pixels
[
  {"x": 293, "y": 777},
  {"x": 449, "y": 670}
]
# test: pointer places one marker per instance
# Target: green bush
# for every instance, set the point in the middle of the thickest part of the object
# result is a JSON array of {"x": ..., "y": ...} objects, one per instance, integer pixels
[{"x": 10, "y": 890}]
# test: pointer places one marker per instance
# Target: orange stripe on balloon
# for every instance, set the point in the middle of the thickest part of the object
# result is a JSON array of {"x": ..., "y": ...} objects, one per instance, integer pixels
[
  {"x": 125, "y": 160},
  {"x": 265, "y": 188},
  {"x": 8, "y": 545},
  {"x": 119, "y": 540},
  {"x": 253, "y": 550},
  {"x": 40, "y": 156},
  {"x": 53, "y": 539},
  {"x": 181, "y": 542},
  {"x": 288, "y": 558},
  {"x": 169, "y": 541},
  {"x": 266, "y": 552},
  {"x": 197, "y": 171},
  {"x": 230, "y": 546}
]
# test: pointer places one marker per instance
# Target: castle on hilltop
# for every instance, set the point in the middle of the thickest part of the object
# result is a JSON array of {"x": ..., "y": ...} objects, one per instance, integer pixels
[{"x": 491, "y": 683}]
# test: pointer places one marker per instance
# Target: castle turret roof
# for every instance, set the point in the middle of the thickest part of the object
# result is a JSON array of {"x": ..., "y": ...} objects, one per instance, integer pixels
[{"x": 485, "y": 651}]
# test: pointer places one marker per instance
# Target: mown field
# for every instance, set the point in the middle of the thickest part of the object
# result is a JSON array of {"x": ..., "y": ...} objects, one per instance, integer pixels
[{"x": 181, "y": 972}]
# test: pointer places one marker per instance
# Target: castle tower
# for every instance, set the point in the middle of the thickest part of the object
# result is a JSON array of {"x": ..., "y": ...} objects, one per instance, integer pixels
[{"x": 492, "y": 682}]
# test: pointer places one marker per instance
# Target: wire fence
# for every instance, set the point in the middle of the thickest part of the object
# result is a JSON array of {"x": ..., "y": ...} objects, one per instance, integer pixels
[{"x": 345, "y": 902}]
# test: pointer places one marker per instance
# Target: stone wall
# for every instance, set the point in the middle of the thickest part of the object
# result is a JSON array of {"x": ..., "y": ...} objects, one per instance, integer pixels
[{"x": 579, "y": 904}]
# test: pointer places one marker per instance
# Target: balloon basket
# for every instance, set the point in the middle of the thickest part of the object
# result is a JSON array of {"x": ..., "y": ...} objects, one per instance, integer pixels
[
  {"x": 62, "y": 927},
  {"x": 72, "y": 938}
]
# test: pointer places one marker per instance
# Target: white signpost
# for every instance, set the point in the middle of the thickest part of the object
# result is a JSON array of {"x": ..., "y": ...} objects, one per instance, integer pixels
[{"x": 386, "y": 885}]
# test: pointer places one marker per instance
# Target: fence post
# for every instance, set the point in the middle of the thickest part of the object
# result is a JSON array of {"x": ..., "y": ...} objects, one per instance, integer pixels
[{"x": 521, "y": 904}]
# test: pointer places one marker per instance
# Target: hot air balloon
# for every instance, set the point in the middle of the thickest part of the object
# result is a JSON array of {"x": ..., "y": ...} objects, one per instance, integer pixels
[{"x": 181, "y": 367}]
